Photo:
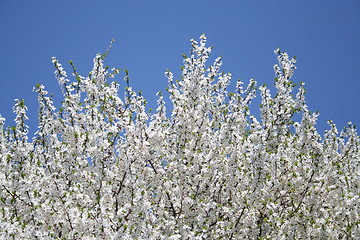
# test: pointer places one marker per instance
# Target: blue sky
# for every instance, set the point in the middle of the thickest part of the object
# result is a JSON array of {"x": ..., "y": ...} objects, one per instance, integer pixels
[{"x": 152, "y": 35}]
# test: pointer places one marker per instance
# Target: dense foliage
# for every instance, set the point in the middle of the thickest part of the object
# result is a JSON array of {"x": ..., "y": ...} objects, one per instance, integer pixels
[{"x": 103, "y": 167}]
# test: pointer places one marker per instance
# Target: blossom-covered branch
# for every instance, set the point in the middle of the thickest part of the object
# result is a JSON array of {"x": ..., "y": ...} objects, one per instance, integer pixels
[{"x": 102, "y": 167}]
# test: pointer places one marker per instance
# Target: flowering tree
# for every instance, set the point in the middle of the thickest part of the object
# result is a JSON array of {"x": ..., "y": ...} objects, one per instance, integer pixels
[{"x": 102, "y": 167}]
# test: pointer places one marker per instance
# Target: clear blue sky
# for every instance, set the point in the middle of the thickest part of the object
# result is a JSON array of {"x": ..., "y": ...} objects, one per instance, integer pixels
[{"x": 152, "y": 35}]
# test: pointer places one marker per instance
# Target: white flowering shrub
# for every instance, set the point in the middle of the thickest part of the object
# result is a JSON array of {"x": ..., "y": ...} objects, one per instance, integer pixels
[{"x": 103, "y": 167}]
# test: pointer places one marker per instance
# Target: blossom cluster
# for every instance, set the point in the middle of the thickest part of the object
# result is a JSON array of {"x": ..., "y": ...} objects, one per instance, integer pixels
[{"x": 103, "y": 167}]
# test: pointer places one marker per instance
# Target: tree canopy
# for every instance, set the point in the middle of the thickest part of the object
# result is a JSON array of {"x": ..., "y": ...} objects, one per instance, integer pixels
[{"x": 103, "y": 167}]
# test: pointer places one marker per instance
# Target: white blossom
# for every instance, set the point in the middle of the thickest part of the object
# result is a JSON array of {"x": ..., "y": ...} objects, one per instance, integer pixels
[{"x": 103, "y": 167}]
